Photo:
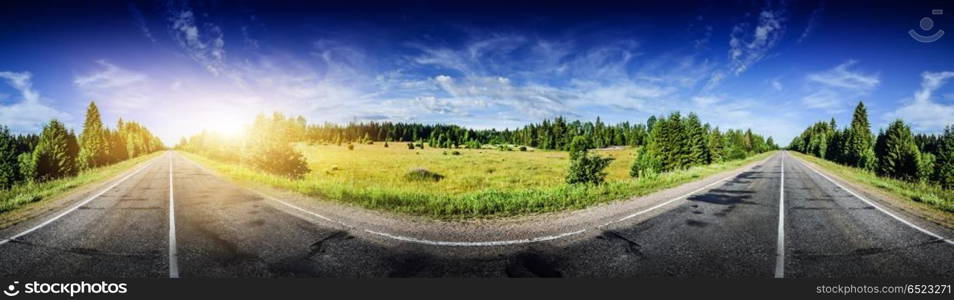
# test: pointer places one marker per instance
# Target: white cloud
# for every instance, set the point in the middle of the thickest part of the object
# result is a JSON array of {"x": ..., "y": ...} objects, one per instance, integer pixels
[
  {"x": 28, "y": 114},
  {"x": 776, "y": 85},
  {"x": 748, "y": 47},
  {"x": 831, "y": 90},
  {"x": 923, "y": 113},
  {"x": 123, "y": 90},
  {"x": 205, "y": 45}
]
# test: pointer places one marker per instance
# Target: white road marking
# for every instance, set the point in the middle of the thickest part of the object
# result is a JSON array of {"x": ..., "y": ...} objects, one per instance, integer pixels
[
  {"x": 475, "y": 244},
  {"x": 780, "y": 246},
  {"x": 869, "y": 202},
  {"x": 78, "y": 205},
  {"x": 173, "y": 256}
]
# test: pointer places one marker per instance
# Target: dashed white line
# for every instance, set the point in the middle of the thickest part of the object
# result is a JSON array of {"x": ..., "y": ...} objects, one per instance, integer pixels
[
  {"x": 173, "y": 256},
  {"x": 780, "y": 246},
  {"x": 74, "y": 207},
  {"x": 869, "y": 202}
]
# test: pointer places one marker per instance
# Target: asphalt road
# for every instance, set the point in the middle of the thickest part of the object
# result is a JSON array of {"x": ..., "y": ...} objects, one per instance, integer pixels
[{"x": 729, "y": 228}]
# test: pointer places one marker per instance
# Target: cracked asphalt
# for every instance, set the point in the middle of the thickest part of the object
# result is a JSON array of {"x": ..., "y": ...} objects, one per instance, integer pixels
[{"x": 729, "y": 229}]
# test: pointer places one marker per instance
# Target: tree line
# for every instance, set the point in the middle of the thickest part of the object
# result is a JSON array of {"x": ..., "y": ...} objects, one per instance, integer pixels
[
  {"x": 894, "y": 152},
  {"x": 58, "y": 152},
  {"x": 677, "y": 142},
  {"x": 555, "y": 134}
]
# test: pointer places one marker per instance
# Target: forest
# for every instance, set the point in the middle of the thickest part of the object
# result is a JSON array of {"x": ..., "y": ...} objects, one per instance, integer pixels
[
  {"x": 894, "y": 152},
  {"x": 58, "y": 152}
]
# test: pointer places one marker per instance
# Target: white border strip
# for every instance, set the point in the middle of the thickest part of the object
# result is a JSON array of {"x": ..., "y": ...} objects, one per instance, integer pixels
[
  {"x": 896, "y": 217},
  {"x": 476, "y": 244},
  {"x": 780, "y": 245},
  {"x": 173, "y": 256},
  {"x": 78, "y": 205}
]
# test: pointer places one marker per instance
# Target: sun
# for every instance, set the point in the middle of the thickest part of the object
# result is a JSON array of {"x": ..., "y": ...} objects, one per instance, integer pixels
[{"x": 229, "y": 125}]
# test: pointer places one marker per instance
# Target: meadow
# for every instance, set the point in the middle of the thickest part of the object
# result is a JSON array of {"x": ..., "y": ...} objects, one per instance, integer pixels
[{"x": 475, "y": 182}]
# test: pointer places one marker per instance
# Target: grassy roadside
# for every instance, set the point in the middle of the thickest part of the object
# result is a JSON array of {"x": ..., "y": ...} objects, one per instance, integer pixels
[
  {"x": 933, "y": 195},
  {"x": 488, "y": 202},
  {"x": 25, "y": 194}
]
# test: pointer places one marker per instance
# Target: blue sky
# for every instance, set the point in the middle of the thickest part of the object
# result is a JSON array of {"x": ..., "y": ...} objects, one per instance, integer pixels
[{"x": 180, "y": 67}]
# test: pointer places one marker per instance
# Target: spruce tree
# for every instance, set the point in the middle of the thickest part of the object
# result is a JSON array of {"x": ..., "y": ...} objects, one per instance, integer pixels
[
  {"x": 716, "y": 147},
  {"x": 9, "y": 165},
  {"x": 900, "y": 157},
  {"x": 944, "y": 161},
  {"x": 54, "y": 156},
  {"x": 857, "y": 148},
  {"x": 94, "y": 141}
]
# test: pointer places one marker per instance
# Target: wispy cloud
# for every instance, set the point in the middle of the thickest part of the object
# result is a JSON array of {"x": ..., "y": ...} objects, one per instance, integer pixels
[
  {"x": 203, "y": 42},
  {"x": 29, "y": 113},
  {"x": 831, "y": 90},
  {"x": 749, "y": 44},
  {"x": 922, "y": 112},
  {"x": 123, "y": 89}
]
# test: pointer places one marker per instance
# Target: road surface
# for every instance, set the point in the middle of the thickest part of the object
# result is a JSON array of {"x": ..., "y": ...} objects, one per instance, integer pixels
[{"x": 777, "y": 218}]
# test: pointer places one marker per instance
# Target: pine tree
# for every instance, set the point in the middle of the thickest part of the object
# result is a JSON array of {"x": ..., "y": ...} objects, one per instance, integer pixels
[{"x": 94, "y": 141}]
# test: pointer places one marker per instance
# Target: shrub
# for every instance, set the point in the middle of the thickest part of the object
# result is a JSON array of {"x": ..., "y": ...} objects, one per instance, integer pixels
[
  {"x": 455, "y": 152},
  {"x": 279, "y": 159},
  {"x": 523, "y": 148},
  {"x": 410, "y": 146},
  {"x": 646, "y": 164},
  {"x": 350, "y": 146},
  {"x": 385, "y": 144},
  {"x": 422, "y": 174},
  {"x": 588, "y": 169},
  {"x": 504, "y": 148}
]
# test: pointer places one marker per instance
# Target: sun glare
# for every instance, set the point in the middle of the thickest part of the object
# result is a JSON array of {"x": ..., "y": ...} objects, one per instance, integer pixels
[{"x": 227, "y": 125}]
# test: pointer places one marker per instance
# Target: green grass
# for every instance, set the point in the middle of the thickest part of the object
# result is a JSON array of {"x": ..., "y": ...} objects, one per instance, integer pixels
[
  {"x": 23, "y": 194},
  {"x": 930, "y": 194},
  {"x": 476, "y": 184}
]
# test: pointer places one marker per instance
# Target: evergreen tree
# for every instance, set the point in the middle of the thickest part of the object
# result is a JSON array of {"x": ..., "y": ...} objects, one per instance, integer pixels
[
  {"x": 716, "y": 147},
  {"x": 858, "y": 142},
  {"x": 54, "y": 156},
  {"x": 900, "y": 157},
  {"x": 944, "y": 161},
  {"x": 94, "y": 141},
  {"x": 9, "y": 165}
]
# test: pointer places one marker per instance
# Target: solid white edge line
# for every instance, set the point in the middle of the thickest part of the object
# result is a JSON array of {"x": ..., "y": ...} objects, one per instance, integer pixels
[
  {"x": 477, "y": 244},
  {"x": 780, "y": 246},
  {"x": 869, "y": 202},
  {"x": 78, "y": 205},
  {"x": 173, "y": 254}
]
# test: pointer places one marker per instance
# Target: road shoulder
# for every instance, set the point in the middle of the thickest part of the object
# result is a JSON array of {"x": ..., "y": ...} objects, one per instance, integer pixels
[{"x": 918, "y": 213}]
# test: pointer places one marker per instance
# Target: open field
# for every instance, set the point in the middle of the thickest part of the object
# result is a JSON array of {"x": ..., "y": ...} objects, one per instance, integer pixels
[
  {"x": 24, "y": 194},
  {"x": 930, "y": 194},
  {"x": 476, "y": 183}
]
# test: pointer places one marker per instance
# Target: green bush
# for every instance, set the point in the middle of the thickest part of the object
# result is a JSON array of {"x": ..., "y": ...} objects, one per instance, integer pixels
[
  {"x": 588, "y": 169},
  {"x": 422, "y": 174},
  {"x": 645, "y": 165}
]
